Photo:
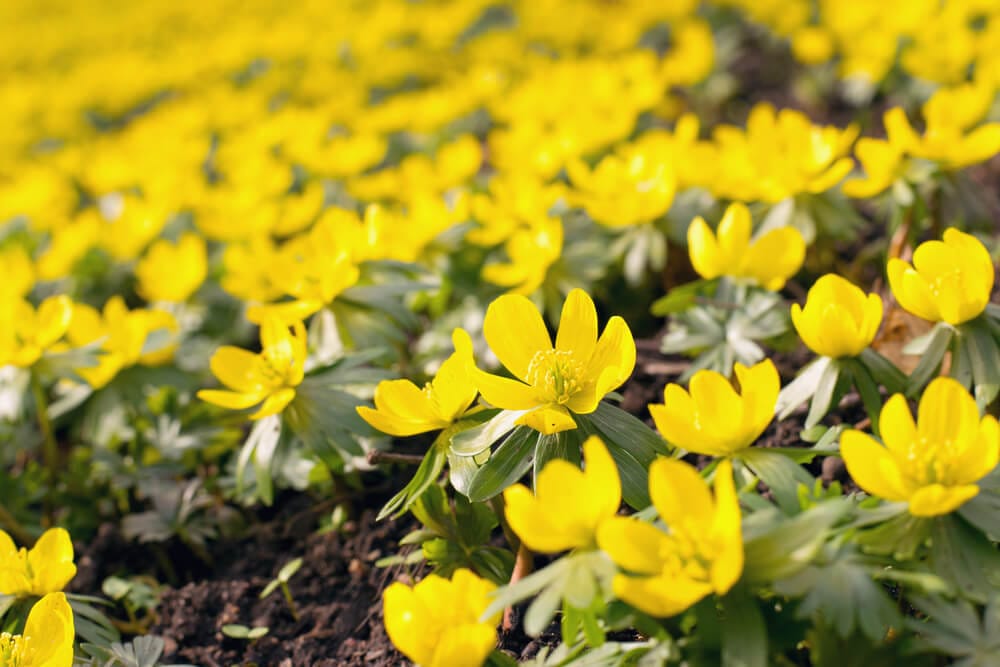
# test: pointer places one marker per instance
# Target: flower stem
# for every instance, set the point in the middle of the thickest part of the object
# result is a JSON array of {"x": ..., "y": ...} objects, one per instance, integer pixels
[
  {"x": 523, "y": 564},
  {"x": 288, "y": 598},
  {"x": 50, "y": 449}
]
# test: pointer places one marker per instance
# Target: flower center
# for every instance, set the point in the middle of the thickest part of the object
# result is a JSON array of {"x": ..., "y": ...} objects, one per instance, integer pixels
[
  {"x": 555, "y": 374},
  {"x": 930, "y": 462},
  {"x": 13, "y": 650}
]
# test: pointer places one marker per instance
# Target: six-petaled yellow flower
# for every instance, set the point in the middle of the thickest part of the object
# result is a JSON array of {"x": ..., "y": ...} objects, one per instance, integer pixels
[
  {"x": 402, "y": 408},
  {"x": 45, "y": 568},
  {"x": 667, "y": 572},
  {"x": 267, "y": 379},
  {"x": 949, "y": 281},
  {"x": 436, "y": 622},
  {"x": 47, "y": 638},
  {"x": 568, "y": 504},
  {"x": 933, "y": 464},
  {"x": 713, "y": 418},
  {"x": 838, "y": 320},
  {"x": 768, "y": 261},
  {"x": 553, "y": 381}
]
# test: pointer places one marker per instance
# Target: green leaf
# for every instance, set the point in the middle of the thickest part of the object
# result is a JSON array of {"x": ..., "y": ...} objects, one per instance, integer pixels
[
  {"x": 681, "y": 297},
  {"x": 867, "y": 390},
  {"x": 427, "y": 473},
  {"x": 744, "y": 633},
  {"x": 932, "y": 355},
  {"x": 984, "y": 359},
  {"x": 289, "y": 570},
  {"x": 964, "y": 557},
  {"x": 884, "y": 371},
  {"x": 826, "y": 389},
  {"x": 776, "y": 546},
  {"x": 782, "y": 474},
  {"x": 802, "y": 388},
  {"x": 983, "y": 512},
  {"x": 477, "y": 439},
  {"x": 511, "y": 460}
]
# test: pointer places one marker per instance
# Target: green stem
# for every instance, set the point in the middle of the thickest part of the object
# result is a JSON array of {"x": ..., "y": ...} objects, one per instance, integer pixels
[
  {"x": 50, "y": 449},
  {"x": 288, "y": 598},
  {"x": 14, "y": 527}
]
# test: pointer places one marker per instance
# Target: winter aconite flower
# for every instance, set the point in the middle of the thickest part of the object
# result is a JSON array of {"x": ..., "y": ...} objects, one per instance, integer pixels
[
  {"x": 838, "y": 320},
  {"x": 932, "y": 464},
  {"x": 47, "y": 638},
  {"x": 667, "y": 572},
  {"x": 172, "y": 272},
  {"x": 950, "y": 280},
  {"x": 568, "y": 504},
  {"x": 402, "y": 408},
  {"x": 768, "y": 261},
  {"x": 26, "y": 333},
  {"x": 552, "y": 382},
  {"x": 267, "y": 379},
  {"x": 45, "y": 568},
  {"x": 436, "y": 622},
  {"x": 714, "y": 419}
]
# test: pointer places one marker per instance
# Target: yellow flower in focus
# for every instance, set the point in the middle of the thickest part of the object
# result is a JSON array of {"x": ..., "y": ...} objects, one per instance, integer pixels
[
  {"x": 531, "y": 250},
  {"x": 172, "y": 272},
  {"x": 838, "y": 320},
  {"x": 622, "y": 191},
  {"x": 568, "y": 504},
  {"x": 436, "y": 622},
  {"x": 27, "y": 333},
  {"x": 267, "y": 379},
  {"x": 932, "y": 464},
  {"x": 949, "y": 281},
  {"x": 47, "y": 638},
  {"x": 714, "y": 419},
  {"x": 402, "y": 409},
  {"x": 123, "y": 335},
  {"x": 552, "y": 382},
  {"x": 45, "y": 568},
  {"x": 768, "y": 261},
  {"x": 702, "y": 553}
]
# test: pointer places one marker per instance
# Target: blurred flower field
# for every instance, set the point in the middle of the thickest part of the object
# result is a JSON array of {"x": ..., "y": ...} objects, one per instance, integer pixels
[{"x": 496, "y": 332}]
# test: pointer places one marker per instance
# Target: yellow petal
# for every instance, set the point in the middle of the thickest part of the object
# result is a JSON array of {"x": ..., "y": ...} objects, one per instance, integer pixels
[
  {"x": 871, "y": 466},
  {"x": 237, "y": 368},
  {"x": 947, "y": 413},
  {"x": 774, "y": 257},
  {"x": 548, "y": 420},
  {"x": 935, "y": 499},
  {"x": 527, "y": 517},
  {"x": 660, "y": 596},
  {"x": 407, "y": 622},
  {"x": 703, "y": 250},
  {"x": 514, "y": 329},
  {"x": 578, "y": 325},
  {"x": 601, "y": 474},
  {"x": 504, "y": 392},
  {"x": 759, "y": 389},
  {"x": 981, "y": 455},
  {"x": 632, "y": 544},
  {"x": 911, "y": 290},
  {"x": 230, "y": 399},
  {"x": 615, "y": 350},
  {"x": 50, "y": 631},
  {"x": 734, "y": 234},
  {"x": 275, "y": 403},
  {"x": 727, "y": 563},
  {"x": 897, "y": 427},
  {"x": 464, "y": 646},
  {"x": 679, "y": 492},
  {"x": 51, "y": 561}
]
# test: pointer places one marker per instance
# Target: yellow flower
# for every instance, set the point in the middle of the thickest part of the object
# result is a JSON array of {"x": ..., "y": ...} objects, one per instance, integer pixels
[
  {"x": 932, "y": 464},
  {"x": 172, "y": 272},
  {"x": 19, "y": 272},
  {"x": 713, "y": 419},
  {"x": 531, "y": 250},
  {"x": 838, "y": 320},
  {"x": 402, "y": 409},
  {"x": 623, "y": 190},
  {"x": 812, "y": 45},
  {"x": 769, "y": 261},
  {"x": 702, "y": 553},
  {"x": 568, "y": 504},
  {"x": 46, "y": 568},
  {"x": 553, "y": 382},
  {"x": 26, "y": 333},
  {"x": 269, "y": 377},
  {"x": 436, "y": 622},
  {"x": 124, "y": 334},
  {"x": 884, "y": 163},
  {"x": 47, "y": 639},
  {"x": 950, "y": 280}
]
